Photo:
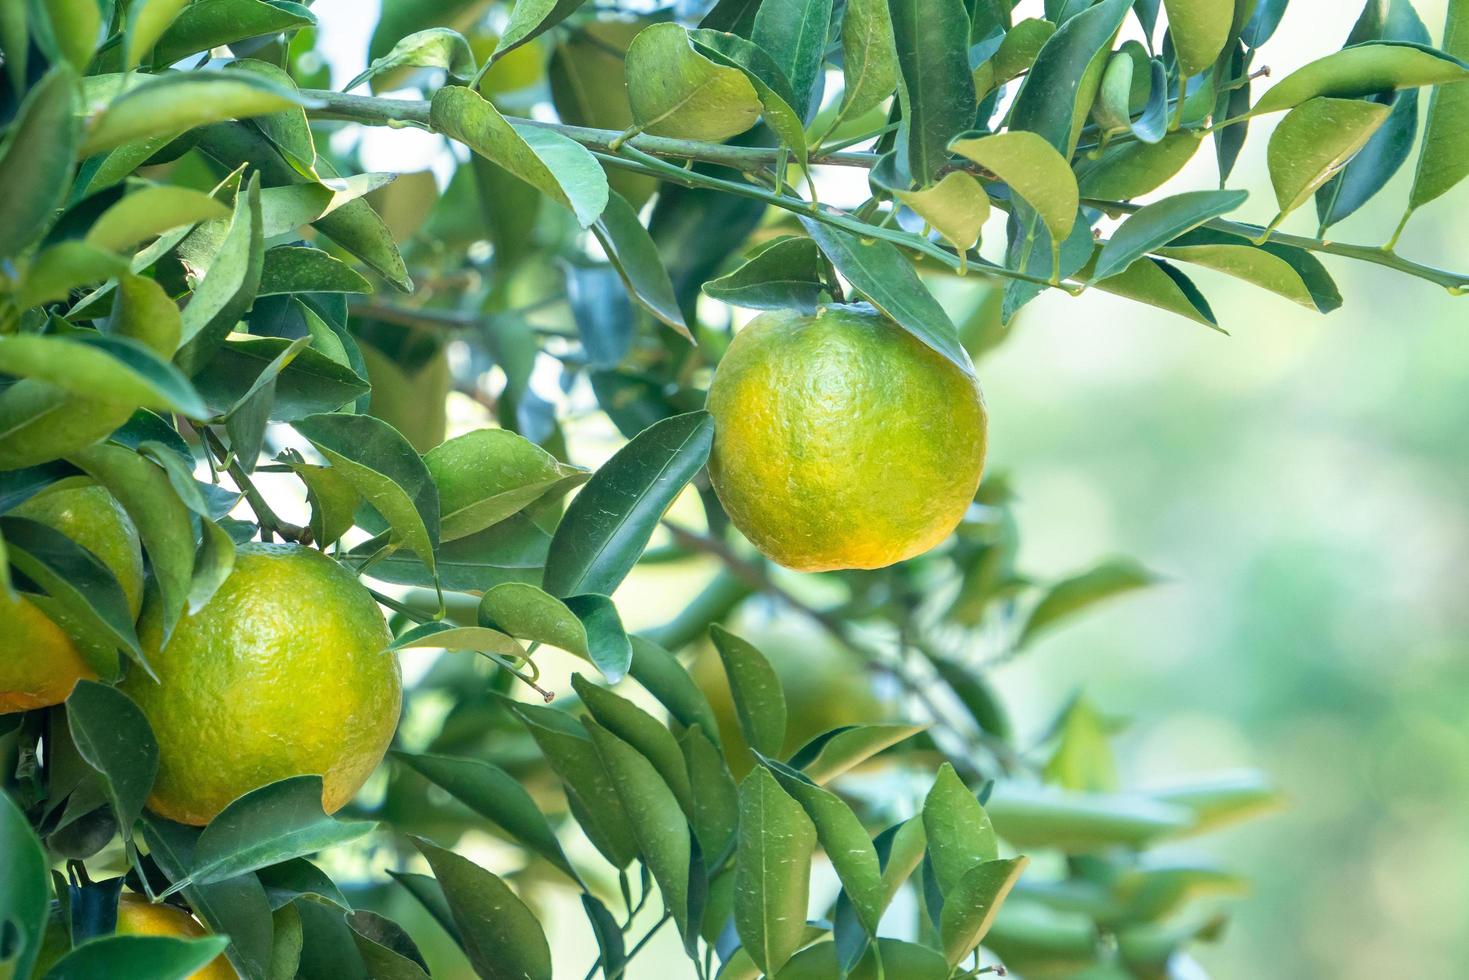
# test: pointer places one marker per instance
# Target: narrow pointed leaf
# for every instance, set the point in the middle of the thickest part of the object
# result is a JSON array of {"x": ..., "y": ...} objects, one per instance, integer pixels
[
  {"x": 772, "y": 871},
  {"x": 1363, "y": 69},
  {"x": 937, "y": 87},
  {"x": 759, "y": 700}
]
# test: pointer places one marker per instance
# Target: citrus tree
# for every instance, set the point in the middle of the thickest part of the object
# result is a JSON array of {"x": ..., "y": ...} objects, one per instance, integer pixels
[{"x": 228, "y": 506}]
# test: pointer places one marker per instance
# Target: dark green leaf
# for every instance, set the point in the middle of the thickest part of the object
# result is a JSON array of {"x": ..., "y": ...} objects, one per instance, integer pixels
[
  {"x": 781, "y": 274},
  {"x": 632, "y": 251},
  {"x": 110, "y": 732},
  {"x": 495, "y": 795},
  {"x": 772, "y": 871},
  {"x": 759, "y": 699},
  {"x": 878, "y": 271},
  {"x": 969, "y": 909},
  {"x": 666, "y": 679},
  {"x": 1159, "y": 284},
  {"x": 899, "y": 959},
  {"x": 296, "y": 269},
  {"x": 1158, "y": 224},
  {"x": 498, "y": 932},
  {"x": 228, "y": 286},
  {"x": 25, "y": 891},
  {"x": 958, "y": 829},
  {"x": 937, "y": 91},
  {"x": 207, "y": 24},
  {"x": 1058, "y": 92},
  {"x": 716, "y": 809},
  {"x": 829, "y": 755},
  {"x": 154, "y": 957},
  {"x": 794, "y": 34},
  {"x": 386, "y": 950},
  {"x": 610, "y": 521},
  {"x": 512, "y": 551},
  {"x": 307, "y": 382},
  {"x": 607, "y": 642},
  {"x": 642, "y": 732},
  {"x": 1444, "y": 160},
  {"x": 613, "y": 958}
]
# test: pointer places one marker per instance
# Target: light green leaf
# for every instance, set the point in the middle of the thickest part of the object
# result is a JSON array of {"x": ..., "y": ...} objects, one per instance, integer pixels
[
  {"x": 1074, "y": 594},
  {"x": 65, "y": 266},
  {"x": 498, "y": 931},
  {"x": 1313, "y": 142},
  {"x": 551, "y": 163},
  {"x": 1135, "y": 168},
  {"x": 1222, "y": 800},
  {"x": 869, "y": 56},
  {"x": 1157, "y": 283},
  {"x": 759, "y": 699},
  {"x": 154, "y": 957},
  {"x": 675, "y": 91},
  {"x": 827, "y": 756},
  {"x": 958, "y": 829},
  {"x": 149, "y": 212},
  {"x": 1033, "y": 170},
  {"x": 529, "y": 19},
  {"x": 489, "y": 474},
  {"x": 1083, "y": 758},
  {"x": 385, "y": 470},
  {"x": 36, "y": 159},
  {"x": 772, "y": 871},
  {"x": 1363, "y": 69},
  {"x": 446, "y": 636},
  {"x": 1292, "y": 273},
  {"x": 287, "y": 208},
  {"x": 969, "y": 910},
  {"x": 956, "y": 207},
  {"x": 770, "y": 82},
  {"x": 1016, "y": 54},
  {"x": 1199, "y": 29},
  {"x": 301, "y": 269},
  {"x": 1081, "y": 823},
  {"x": 1159, "y": 223},
  {"x": 116, "y": 369},
  {"x": 437, "y": 47},
  {"x": 74, "y": 26},
  {"x": 173, "y": 104},
  {"x": 530, "y": 613},
  {"x": 145, "y": 24},
  {"x": 1444, "y": 160}
]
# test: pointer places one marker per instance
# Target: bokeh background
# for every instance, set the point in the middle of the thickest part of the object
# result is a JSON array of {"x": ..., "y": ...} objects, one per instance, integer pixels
[{"x": 1303, "y": 484}]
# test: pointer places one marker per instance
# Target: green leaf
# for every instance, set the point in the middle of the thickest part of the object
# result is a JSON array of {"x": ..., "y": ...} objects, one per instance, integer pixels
[
  {"x": 287, "y": 208},
  {"x": 759, "y": 699},
  {"x": 161, "y": 517},
  {"x": 440, "y": 635},
  {"x": 385, "y": 470},
  {"x": 937, "y": 91},
  {"x": 65, "y": 266},
  {"x": 489, "y": 474},
  {"x": 589, "y": 791},
  {"x": 794, "y": 33},
  {"x": 437, "y": 47},
  {"x": 1284, "y": 270},
  {"x": 228, "y": 287},
  {"x": 770, "y": 81},
  {"x": 660, "y": 673},
  {"x": 288, "y": 130},
  {"x": 613, "y": 959},
  {"x": 969, "y": 909},
  {"x": 72, "y": 27},
  {"x": 886, "y": 279},
  {"x": 1313, "y": 142},
  {"x": 76, "y": 581},
  {"x": 155, "y": 957},
  {"x": 781, "y": 274},
  {"x": 512, "y": 551},
  {"x": 898, "y": 959},
  {"x": 307, "y": 382},
  {"x": 1058, "y": 92},
  {"x": 642, "y": 732},
  {"x": 110, "y": 732},
  {"x": 277, "y": 822},
  {"x": 1199, "y": 29},
  {"x": 609, "y": 523},
  {"x": 958, "y": 829},
  {"x": 1159, "y": 284},
  {"x": 551, "y": 163},
  {"x": 173, "y": 104},
  {"x": 675, "y": 91},
  {"x": 1083, "y": 758},
  {"x": 1133, "y": 169},
  {"x": 495, "y": 795},
  {"x": 333, "y": 500},
  {"x": 869, "y": 56},
  {"x": 658, "y": 823},
  {"x": 212, "y": 564},
  {"x": 1079, "y": 592},
  {"x": 607, "y": 642},
  {"x": 529, "y": 19},
  {"x": 827, "y": 756},
  {"x": 1222, "y": 800},
  {"x": 300, "y": 269},
  {"x": 387, "y": 951},
  {"x": 497, "y": 930},
  {"x": 772, "y": 871},
  {"x": 25, "y": 889},
  {"x": 1159, "y": 223},
  {"x": 530, "y": 613},
  {"x": 1444, "y": 159},
  {"x": 149, "y": 212},
  {"x": 631, "y": 249},
  {"x": 206, "y": 24},
  {"x": 716, "y": 808},
  {"x": 843, "y": 838},
  {"x": 956, "y": 207},
  {"x": 36, "y": 159},
  {"x": 1034, "y": 170},
  {"x": 1363, "y": 69},
  {"x": 146, "y": 20},
  {"x": 1080, "y": 823},
  {"x": 13, "y": 31}
]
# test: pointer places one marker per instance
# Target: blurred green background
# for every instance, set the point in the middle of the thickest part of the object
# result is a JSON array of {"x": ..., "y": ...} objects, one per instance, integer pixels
[{"x": 1303, "y": 484}]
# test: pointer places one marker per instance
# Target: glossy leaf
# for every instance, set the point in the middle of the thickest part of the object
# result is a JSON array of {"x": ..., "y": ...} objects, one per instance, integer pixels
[
  {"x": 642, "y": 732},
  {"x": 277, "y": 822},
  {"x": 1444, "y": 159},
  {"x": 487, "y": 475},
  {"x": 387, "y": 951},
  {"x": 1313, "y": 142},
  {"x": 173, "y": 104},
  {"x": 658, "y": 822},
  {"x": 25, "y": 889},
  {"x": 715, "y": 797},
  {"x": 145, "y": 24},
  {"x": 498, "y": 931},
  {"x": 958, "y": 829},
  {"x": 1133, "y": 169},
  {"x": 1199, "y": 29},
  {"x": 298, "y": 269},
  {"x": 307, "y": 381},
  {"x": 613, "y": 958},
  {"x": 206, "y": 24},
  {"x": 829, "y": 755},
  {"x": 228, "y": 286},
  {"x": 969, "y": 909},
  {"x": 784, "y": 273},
  {"x": 385, "y": 470},
  {"x": 869, "y": 56},
  {"x": 1286, "y": 271},
  {"x": 1157, "y": 283},
  {"x": 878, "y": 271},
  {"x": 794, "y": 33},
  {"x": 1363, "y": 69},
  {"x": 610, "y": 521},
  {"x": 155, "y": 957},
  {"x": 675, "y": 91},
  {"x": 956, "y": 207},
  {"x": 1033, "y": 169},
  {"x": 660, "y": 673},
  {"x": 110, "y": 732},
  {"x": 1158, "y": 224},
  {"x": 532, "y": 18},
  {"x": 512, "y": 551},
  {"x": 495, "y": 795},
  {"x": 607, "y": 642},
  {"x": 769, "y": 79},
  {"x": 1058, "y": 91},
  {"x": 288, "y": 130},
  {"x": 772, "y": 871},
  {"x": 759, "y": 699},
  {"x": 632, "y": 251},
  {"x": 530, "y": 613},
  {"x": 937, "y": 91},
  {"x": 114, "y": 368},
  {"x": 437, "y": 47},
  {"x": 1080, "y": 823},
  {"x": 551, "y": 163}
]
